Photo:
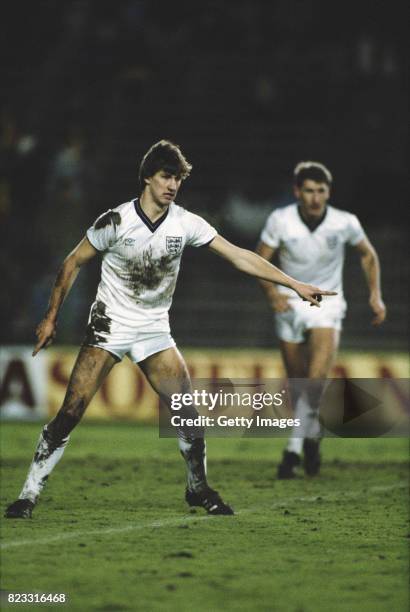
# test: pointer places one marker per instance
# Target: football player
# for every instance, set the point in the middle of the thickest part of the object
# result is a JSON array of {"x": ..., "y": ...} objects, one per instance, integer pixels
[
  {"x": 141, "y": 243},
  {"x": 310, "y": 237}
]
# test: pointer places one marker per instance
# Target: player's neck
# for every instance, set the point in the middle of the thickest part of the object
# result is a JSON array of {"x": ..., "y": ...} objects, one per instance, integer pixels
[
  {"x": 311, "y": 222},
  {"x": 151, "y": 208}
]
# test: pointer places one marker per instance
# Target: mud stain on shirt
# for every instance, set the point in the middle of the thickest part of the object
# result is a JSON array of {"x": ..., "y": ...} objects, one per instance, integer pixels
[
  {"x": 110, "y": 216},
  {"x": 147, "y": 272}
]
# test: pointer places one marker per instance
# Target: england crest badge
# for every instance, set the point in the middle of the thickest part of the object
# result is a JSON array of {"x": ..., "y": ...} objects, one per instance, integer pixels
[
  {"x": 332, "y": 241},
  {"x": 174, "y": 244}
]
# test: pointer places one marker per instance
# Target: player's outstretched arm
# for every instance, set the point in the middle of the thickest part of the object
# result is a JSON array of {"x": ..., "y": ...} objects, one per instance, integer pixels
[
  {"x": 254, "y": 265},
  {"x": 371, "y": 268},
  {"x": 46, "y": 330}
]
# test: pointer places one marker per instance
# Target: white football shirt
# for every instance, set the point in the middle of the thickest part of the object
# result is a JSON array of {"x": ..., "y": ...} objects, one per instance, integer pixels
[
  {"x": 315, "y": 257},
  {"x": 141, "y": 261}
]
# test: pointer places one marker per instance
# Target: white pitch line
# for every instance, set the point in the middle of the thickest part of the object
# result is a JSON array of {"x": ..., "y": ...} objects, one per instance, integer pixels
[
  {"x": 79, "y": 534},
  {"x": 187, "y": 519},
  {"x": 349, "y": 494}
]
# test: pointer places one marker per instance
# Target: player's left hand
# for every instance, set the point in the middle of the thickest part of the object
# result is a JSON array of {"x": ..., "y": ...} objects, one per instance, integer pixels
[
  {"x": 379, "y": 309},
  {"x": 311, "y": 294},
  {"x": 45, "y": 332}
]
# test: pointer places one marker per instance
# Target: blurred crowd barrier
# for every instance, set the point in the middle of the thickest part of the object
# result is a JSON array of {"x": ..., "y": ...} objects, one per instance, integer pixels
[{"x": 34, "y": 388}]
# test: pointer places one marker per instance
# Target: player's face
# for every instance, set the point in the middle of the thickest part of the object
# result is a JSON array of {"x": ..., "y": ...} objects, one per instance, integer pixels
[
  {"x": 163, "y": 187},
  {"x": 313, "y": 197}
]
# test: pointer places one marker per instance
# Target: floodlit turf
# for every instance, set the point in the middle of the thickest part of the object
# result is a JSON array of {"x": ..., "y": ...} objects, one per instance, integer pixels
[{"x": 113, "y": 533}]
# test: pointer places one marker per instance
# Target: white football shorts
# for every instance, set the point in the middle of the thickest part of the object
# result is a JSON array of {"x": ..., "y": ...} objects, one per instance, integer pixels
[
  {"x": 292, "y": 325},
  {"x": 120, "y": 340}
]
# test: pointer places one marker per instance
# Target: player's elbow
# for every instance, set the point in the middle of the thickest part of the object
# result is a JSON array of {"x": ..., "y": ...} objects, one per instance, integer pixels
[
  {"x": 72, "y": 262},
  {"x": 370, "y": 258}
]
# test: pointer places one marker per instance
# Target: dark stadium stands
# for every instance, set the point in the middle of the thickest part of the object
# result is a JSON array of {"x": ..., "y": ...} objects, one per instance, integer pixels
[{"x": 236, "y": 85}]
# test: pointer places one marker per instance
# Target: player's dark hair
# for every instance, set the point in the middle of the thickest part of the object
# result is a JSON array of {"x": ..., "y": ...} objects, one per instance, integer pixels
[
  {"x": 313, "y": 171},
  {"x": 163, "y": 155}
]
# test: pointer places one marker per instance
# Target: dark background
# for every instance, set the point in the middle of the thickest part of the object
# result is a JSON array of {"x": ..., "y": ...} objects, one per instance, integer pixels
[{"x": 248, "y": 89}]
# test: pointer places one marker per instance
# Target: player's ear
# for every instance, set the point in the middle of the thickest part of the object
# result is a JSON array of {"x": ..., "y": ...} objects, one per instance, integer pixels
[
  {"x": 296, "y": 191},
  {"x": 147, "y": 180}
]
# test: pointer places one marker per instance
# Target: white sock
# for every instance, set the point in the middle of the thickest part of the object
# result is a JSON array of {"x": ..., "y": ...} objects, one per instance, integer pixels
[
  {"x": 194, "y": 453},
  {"x": 295, "y": 445},
  {"x": 313, "y": 428},
  {"x": 302, "y": 412},
  {"x": 45, "y": 459}
]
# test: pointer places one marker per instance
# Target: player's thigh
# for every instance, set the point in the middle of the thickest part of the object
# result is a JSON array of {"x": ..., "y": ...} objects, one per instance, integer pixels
[
  {"x": 90, "y": 369},
  {"x": 323, "y": 343},
  {"x": 294, "y": 359},
  {"x": 167, "y": 373}
]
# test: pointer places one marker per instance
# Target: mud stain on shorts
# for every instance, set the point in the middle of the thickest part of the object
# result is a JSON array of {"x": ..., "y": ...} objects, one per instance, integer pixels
[
  {"x": 100, "y": 323},
  {"x": 109, "y": 217}
]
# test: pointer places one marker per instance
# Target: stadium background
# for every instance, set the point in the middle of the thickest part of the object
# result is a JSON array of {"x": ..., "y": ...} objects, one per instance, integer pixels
[{"x": 247, "y": 89}]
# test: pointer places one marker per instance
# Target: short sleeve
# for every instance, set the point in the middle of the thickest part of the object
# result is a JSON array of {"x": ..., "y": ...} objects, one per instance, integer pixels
[
  {"x": 270, "y": 234},
  {"x": 355, "y": 232},
  {"x": 199, "y": 232},
  {"x": 103, "y": 233}
]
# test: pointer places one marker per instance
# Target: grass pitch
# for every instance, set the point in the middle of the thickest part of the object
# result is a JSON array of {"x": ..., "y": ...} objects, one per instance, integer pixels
[{"x": 112, "y": 530}]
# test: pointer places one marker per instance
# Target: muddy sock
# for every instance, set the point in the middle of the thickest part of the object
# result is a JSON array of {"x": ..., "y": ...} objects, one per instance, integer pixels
[
  {"x": 48, "y": 452},
  {"x": 193, "y": 451}
]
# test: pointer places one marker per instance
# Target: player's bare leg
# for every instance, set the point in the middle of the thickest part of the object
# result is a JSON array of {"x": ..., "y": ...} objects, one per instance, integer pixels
[
  {"x": 311, "y": 361},
  {"x": 90, "y": 369},
  {"x": 167, "y": 373},
  {"x": 323, "y": 344},
  {"x": 295, "y": 359}
]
